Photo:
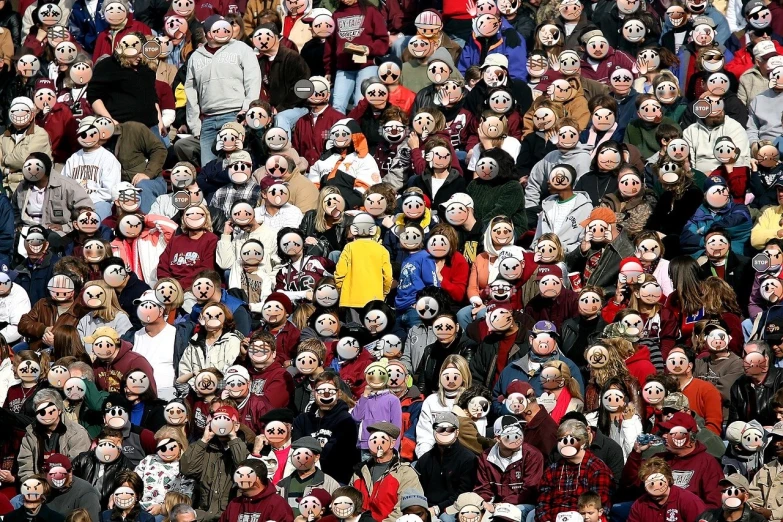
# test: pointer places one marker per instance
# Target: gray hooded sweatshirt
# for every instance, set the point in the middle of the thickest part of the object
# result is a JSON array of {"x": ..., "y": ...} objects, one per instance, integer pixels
[
  {"x": 578, "y": 157},
  {"x": 570, "y": 232}
]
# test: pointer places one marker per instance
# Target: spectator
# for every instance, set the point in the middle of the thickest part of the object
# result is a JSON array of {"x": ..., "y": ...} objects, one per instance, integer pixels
[
  {"x": 253, "y": 484},
  {"x": 752, "y": 393},
  {"x": 661, "y": 492},
  {"x": 67, "y": 491}
]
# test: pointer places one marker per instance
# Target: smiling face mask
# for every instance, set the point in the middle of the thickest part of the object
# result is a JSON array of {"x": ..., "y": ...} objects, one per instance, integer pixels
[
  {"x": 653, "y": 393},
  {"x": 567, "y": 137},
  {"x": 343, "y": 507},
  {"x": 667, "y": 92},
  {"x": 546, "y": 252}
]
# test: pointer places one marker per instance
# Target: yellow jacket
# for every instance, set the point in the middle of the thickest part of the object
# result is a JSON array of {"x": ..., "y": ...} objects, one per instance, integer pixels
[
  {"x": 363, "y": 273},
  {"x": 766, "y": 227}
]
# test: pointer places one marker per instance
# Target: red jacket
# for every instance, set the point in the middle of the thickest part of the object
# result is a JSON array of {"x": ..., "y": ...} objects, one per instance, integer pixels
[
  {"x": 707, "y": 402},
  {"x": 61, "y": 126},
  {"x": 738, "y": 179},
  {"x": 639, "y": 364},
  {"x": 309, "y": 138},
  {"x": 681, "y": 506},
  {"x": 698, "y": 472},
  {"x": 357, "y": 26},
  {"x": 286, "y": 340},
  {"x": 109, "y": 375},
  {"x": 273, "y": 383},
  {"x": 417, "y": 154},
  {"x": 403, "y": 98},
  {"x": 352, "y": 372},
  {"x": 106, "y": 45},
  {"x": 382, "y": 497},
  {"x": 615, "y": 59},
  {"x": 743, "y": 60},
  {"x": 267, "y": 505},
  {"x": 518, "y": 484},
  {"x": 255, "y": 407}
]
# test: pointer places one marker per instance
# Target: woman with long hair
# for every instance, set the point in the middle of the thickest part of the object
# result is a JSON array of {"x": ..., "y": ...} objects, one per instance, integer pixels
[
  {"x": 324, "y": 226},
  {"x": 160, "y": 472},
  {"x": 604, "y": 168},
  {"x": 455, "y": 378},
  {"x": 68, "y": 343},
  {"x": 105, "y": 310},
  {"x": 618, "y": 417},
  {"x": 128, "y": 492},
  {"x": 720, "y": 300},
  {"x": 684, "y": 306},
  {"x": 216, "y": 344},
  {"x": 561, "y": 390},
  {"x": 31, "y": 369}
]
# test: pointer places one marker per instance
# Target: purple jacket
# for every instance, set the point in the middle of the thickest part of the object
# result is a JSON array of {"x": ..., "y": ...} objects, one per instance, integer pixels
[
  {"x": 383, "y": 406},
  {"x": 757, "y": 303}
]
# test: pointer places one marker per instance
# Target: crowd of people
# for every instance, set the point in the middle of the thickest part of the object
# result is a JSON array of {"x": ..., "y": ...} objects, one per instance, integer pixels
[{"x": 391, "y": 260}]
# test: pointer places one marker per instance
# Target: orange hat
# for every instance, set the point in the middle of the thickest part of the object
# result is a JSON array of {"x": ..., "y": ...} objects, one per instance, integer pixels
[{"x": 603, "y": 213}]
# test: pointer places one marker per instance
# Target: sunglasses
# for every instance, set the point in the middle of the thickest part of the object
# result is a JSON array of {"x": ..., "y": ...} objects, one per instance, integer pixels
[{"x": 442, "y": 430}]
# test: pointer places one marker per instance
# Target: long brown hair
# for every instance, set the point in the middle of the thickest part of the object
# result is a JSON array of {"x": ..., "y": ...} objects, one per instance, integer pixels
[
  {"x": 719, "y": 297},
  {"x": 684, "y": 273}
]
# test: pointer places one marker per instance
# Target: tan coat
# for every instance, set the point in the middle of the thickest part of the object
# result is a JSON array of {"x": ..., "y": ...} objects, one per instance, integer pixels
[
  {"x": 253, "y": 13},
  {"x": 13, "y": 154},
  {"x": 766, "y": 490},
  {"x": 6, "y": 45}
]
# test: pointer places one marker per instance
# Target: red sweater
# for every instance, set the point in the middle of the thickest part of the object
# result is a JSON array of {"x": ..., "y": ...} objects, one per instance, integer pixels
[
  {"x": 352, "y": 372},
  {"x": 358, "y": 28},
  {"x": 60, "y": 125},
  {"x": 681, "y": 506},
  {"x": 286, "y": 339},
  {"x": 105, "y": 45},
  {"x": 252, "y": 410},
  {"x": 309, "y": 138},
  {"x": 738, "y": 180},
  {"x": 454, "y": 277},
  {"x": 706, "y": 401},
  {"x": 274, "y": 383},
  {"x": 185, "y": 257},
  {"x": 267, "y": 505},
  {"x": 639, "y": 364}
]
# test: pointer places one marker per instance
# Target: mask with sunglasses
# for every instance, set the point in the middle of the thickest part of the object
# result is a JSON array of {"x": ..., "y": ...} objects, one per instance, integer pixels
[{"x": 445, "y": 433}]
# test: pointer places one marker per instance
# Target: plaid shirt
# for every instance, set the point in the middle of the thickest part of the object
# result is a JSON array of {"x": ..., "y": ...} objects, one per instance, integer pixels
[
  {"x": 563, "y": 482},
  {"x": 225, "y": 197}
]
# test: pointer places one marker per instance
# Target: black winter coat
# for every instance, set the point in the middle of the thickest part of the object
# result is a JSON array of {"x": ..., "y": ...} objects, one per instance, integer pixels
[
  {"x": 485, "y": 350},
  {"x": 445, "y": 475},
  {"x": 85, "y": 466},
  {"x": 748, "y": 402}
]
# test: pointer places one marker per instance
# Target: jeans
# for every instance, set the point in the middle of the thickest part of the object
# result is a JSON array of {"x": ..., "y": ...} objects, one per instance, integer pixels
[
  {"x": 163, "y": 139},
  {"x": 209, "y": 130},
  {"x": 465, "y": 317},
  {"x": 288, "y": 118},
  {"x": 399, "y": 45},
  {"x": 408, "y": 319},
  {"x": 150, "y": 190},
  {"x": 345, "y": 82},
  {"x": 620, "y": 511},
  {"x": 103, "y": 209},
  {"x": 747, "y": 329}
]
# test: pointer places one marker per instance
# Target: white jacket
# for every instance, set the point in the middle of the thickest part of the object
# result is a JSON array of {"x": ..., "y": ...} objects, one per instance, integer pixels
[
  {"x": 7, "y": 378},
  {"x": 229, "y": 252},
  {"x": 364, "y": 170},
  {"x": 220, "y": 355},
  {"x": 12, "y": 308},
  {"x": 425, "y": 440},
  {"x": 701, "y": 140},
  {"x": 97, "y": 171}
]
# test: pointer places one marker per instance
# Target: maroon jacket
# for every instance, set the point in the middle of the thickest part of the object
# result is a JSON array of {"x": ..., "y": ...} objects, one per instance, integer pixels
[
  {"x": 109, "y": 375},
  {"x": 105, "y": 44},
  {"x": 518, "y": 484},
  {"x": 681, "y": 506},
  {"x": 273, "y": 383},
  {"x": 352, "y": 372},
  {"x": 286, "y": 340},
  {"x": 458, "y": 127},
  {"x": 514, "y": 129},
  {"x": 61, "y": 126},
  {"x": 615, "y": 59},
  {"x": 310, "y": 138},
  {"x": 557, "y": 310},
  {"x": 541, "y": 432},
  {"x": 697, "y": 472},
  {"x": 358, "y": 26},
  {"x": 417, "y": 154},
  {"x": 267, "y": 505},
  {"x": 255, "y": 407}
]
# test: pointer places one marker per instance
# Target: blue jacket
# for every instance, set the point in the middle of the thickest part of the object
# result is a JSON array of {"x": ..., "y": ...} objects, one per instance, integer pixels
[
  {"x": 507, "y": 42},
  {"x": 83, "y": 27},
  {"x": 417, "y": 272},
  {"x": 34, "y": 278},
  {"x": 6, "y": 230},
  {"x": 735, "y": 218},
  {"x": 520, "y": 370},
  {"x": 626, "y": 111},
  {"x": 238, "y": 309},
  {"x": 722, "y": 30}
]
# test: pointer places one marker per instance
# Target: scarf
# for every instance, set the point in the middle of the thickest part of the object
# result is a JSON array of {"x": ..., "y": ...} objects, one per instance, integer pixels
[
  {"x": 561, "y": 407},
  {"x": 592, "y": 137}
]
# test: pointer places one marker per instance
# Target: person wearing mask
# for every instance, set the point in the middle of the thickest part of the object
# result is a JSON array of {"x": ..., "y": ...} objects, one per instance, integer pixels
[
  {"x": 662, "y": 493},
  {"x": 212, "y": 104},
  {"x": 331, "y": 423},
  {"x": 126, "y": 284},
  {"x": 49, "y": 433},
  {"x": 61, "y": 307},
  {"x": 449, "y": 468},
  {"x": 736, "y": 495},
  {"x": 688, "y": 459},
  {"x": 703, "y": 396},
  {"x": 702, "y": 134},
  {"x": 383, "y": 477},
  {"x": 156, "y": 342},
  {"x": 564, "y": 209},
  {"x": 257, "y": 497},
  {"x": 46, "y": 198},
  {"x": 213, "y": 460},
  {"x": 99, "y": 466},
  {"x": 752, "y": 393},
  {"x": 577, "y": 472},
  {"x": 307, "y": 477},
  {"x": 309, "y": 129},
  {"x": 35, "y": 490},
  {"x": 114, "y": 359},
  {"x": 14, "y": 304},
  {"x": 67, "y": 491}
]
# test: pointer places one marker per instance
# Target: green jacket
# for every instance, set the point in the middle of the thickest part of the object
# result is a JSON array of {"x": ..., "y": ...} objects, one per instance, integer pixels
[
  {"x": 642, "y": 134},
  {"x": 139, "y": 151},
  {"x": 499, "y": 198}
]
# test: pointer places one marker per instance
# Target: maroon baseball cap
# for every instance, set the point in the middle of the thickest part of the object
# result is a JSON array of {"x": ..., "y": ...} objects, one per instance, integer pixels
[
  {"x": 682, "y": 419},
  {"x": 57, "y": 460}
]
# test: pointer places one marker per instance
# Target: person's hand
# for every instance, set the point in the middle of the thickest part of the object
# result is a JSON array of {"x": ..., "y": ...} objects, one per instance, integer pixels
[
  {"x": 476, "y": 309},
  {"x": 6, "y": 476},
  {"x": 620, "y": 285},
  {"x": 442, "y": 98},
  {"x": 433, "y": 513},
  {"x": 259, "y": 444},
  {"x": 310, "y": 240},
  {"x": 228, "y": 228},
  {"x": 488, "y": 506},
  {"x": 523, "y": 180},
  {"x": 55, "y": 227},
  {"x": 754, "y": 165},
  {"x": 554, "y": 63},
  {"x": 552, "y": 137},
  {"x": 642, "y": 65},
  {"x": 470, "y": 7},
  {"x": 367, "y": 391},
  {"x": 48, "y": 336},
  {"x": 413, "y": 140},
  {"x": 207, "y": 436},
  {"x": 155, "y": 509},
  {"x": 586, "y": 243},
  {"x": 638, "y": 448},
  {"x": 629, "y": 411},
  {"x": 41, "y": 35},
  {"x": 138, "y": 178},
  {"x": 387, "y": 221},
  {"x": 183, "y": 129}
]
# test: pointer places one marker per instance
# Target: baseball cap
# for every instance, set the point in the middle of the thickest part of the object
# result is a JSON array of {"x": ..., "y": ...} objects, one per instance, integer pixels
[
  {"x": 764, "y": 49},
  {"x": 544, "y": 327},
  {"x": 267, "y": 182},
  {"x": 495, "y": 59},
  {"x": 103, "y": 331},
  {"x": 411, "y": 498},
  {"x": 310, "y": 443},
  {"x": 545, "y": 270},
  {"x": 507, "y": 511},
  {"x": 123, "y": 186},
  {"x": 148, "y": 296},
  {"x": 773, "y": 331},
  {"x": 504, "y": 422},
  {"x": 228, "y": 410},
  {"x": 735, "y": 479},
  {"x": 236, "y": 370},
  {"x": 459, "y": 197},
  {"x": 57, "y": 460},
  {"x": 754, "y": 6},
  {"x": 714, "y": 181},
  {"x": 465, "y": 499},
  {"x": 703, "y": 20},
  {"x": 777, "y": 430},
  {"x": 239, "y": 129},
  {"x": 676, "y": 401},
  {"x": 240, "y": 156},
  {"x": 445, "y": 417},
  {"x": 210, "y": 21},
  {"x": 680, "y": 419}
]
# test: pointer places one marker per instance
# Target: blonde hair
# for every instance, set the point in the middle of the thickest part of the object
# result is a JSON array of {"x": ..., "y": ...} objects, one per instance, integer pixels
[
  {"x": 571, "y": 384},
  {"x": 207, "y": 222},
  {"x": 302, "y": 314},
  {"x": 634, "y": 301},
  {"x": 78, "y": 515},
  {"x": 170, "y": 432},
  {"x": 171, "y": 499},
  {"x": 111, "y": 307},
  {"x": 180, "y": 300},
  {"x": 320, "y": 217},
  {"x": 560, "y": 251},
  {"x": 461, "y": 364},
  {"x": 719, "y": 297}
]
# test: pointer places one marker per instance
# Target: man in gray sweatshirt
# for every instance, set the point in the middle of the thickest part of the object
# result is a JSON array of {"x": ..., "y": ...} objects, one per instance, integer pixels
[
  {"x": 223, "y": 78},
  {"x": 69, "y": 492}
]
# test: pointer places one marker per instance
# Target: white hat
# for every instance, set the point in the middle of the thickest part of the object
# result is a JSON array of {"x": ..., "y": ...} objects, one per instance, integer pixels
[
  {"x": 236, "y": 370},
  {"x": 764, "y": 48},
  {"x": 86, "y": 123},
  {"x": 507, "y": 512},
  {"x": 460, "y": 197},
  {"x": 149, "y": 296},
  {"x": 123, "y": 186},
  {"x": 496, "y": 59},
  {"x": 23, "y": 100}
]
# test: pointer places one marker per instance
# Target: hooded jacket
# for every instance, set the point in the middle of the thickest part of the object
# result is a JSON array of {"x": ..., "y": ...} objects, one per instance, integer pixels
[
  {"x": 698, "y": 472},
  {"x": 337, "y": 432},
  {"x": 73, "y": 440},
  {"x": 486, "y": 345},
  {"x": 109, "y": 375},
  {"x": 605, "y": 274},
  {"x": 734, "y": 218},
  {"x": 555, "y": 309},
  {"x": 507, "y": 42},
  {"x": 513, "y": 482},
  {"x": 267, "y": 505},
  {"x": 537, "y": 188},
  {"x": 382, "y": 498},
  {"x": 680, "y": 506},
  {"x": 570, "y": 232}
]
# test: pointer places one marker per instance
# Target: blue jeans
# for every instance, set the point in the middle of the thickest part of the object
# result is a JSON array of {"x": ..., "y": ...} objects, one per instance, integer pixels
[
  {"x": 20, "y": 347},
  {"x": 103, "y": 209},
  {"x": 347, "y": 86},
  {"x": 747, "y": 329},
  {"x": 209, "y": 129},
  {"x": 288, "y": 118},
  {"x": 464, "y": 317},
  {"x": 150, "y": 190},
  {"x": 408, "y": 319},
  {"x": 399, "y": 45},
  {"x": 620, "y": 511},
  {"x": 163, "y": 139}
]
